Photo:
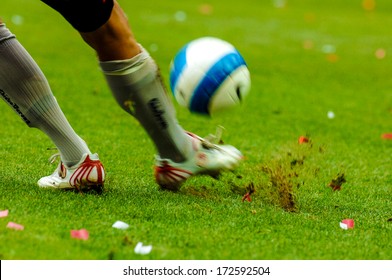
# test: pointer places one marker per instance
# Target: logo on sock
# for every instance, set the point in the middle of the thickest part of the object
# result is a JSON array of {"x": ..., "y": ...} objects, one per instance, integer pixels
[
  {"x": 14, "y": 106},
  {"x": 128, "y": 104},
  {"x": 158, "y": 113}
]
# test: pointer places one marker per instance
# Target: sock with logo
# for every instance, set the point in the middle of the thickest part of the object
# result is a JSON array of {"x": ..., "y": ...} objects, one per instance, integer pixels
[
  {"x": 137, "y": 86},
  {"x": 24, "y": 87}
]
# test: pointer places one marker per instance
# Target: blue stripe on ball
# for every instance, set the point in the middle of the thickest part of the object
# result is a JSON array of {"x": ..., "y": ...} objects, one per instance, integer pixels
[
  {"x": 212, "y": 81},
  {"x": 177, "y": 67}
]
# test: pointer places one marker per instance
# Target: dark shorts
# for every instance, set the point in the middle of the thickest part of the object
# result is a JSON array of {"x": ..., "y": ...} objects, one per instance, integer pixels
[{"x": 83, "y": 15}]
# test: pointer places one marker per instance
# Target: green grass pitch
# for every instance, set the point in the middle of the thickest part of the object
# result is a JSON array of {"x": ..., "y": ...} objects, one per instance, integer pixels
[{"x": 306, "y": 58}]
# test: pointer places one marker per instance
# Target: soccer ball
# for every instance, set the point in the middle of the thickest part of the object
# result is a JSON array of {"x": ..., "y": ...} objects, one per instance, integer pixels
[{"x": 209, "y": 75}]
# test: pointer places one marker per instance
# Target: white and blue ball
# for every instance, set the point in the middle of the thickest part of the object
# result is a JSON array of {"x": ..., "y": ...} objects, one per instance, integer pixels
[{"x": 209, "y": 75}]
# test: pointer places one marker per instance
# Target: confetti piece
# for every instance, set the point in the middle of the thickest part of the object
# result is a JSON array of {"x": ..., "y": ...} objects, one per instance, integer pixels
[
  {"x": 142, "y": 250},
  {"x": 247, "y": 197},
  {"x": 347, "y": 224},
  {"x": 332, "y": 57},
  {"x": 3, "y": 213},
  {"x": 328, "y": 49},
  {"x": 154, "y": 48},
  {"x": 330, "y": 115},
  {"x": 251, "y": 190},
  {"x": 80, "y": 234},
  {"x": 368, "y": 5},
  {"x": 380, "y": 53},
  {"x": 15, "y": 226},
  {"x": 336, "y": 183},
  {"x": 120, "y": 225},
  {"x": 206, "y": 9},
  {"x": 180, "y": 16},
  {"x": 303, "y": 139},
  {"x": 17, "y": 19},
  {"x": 387, "y": 136}
]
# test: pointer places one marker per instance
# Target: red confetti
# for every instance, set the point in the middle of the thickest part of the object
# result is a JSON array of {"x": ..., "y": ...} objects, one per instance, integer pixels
[
  {"x": 247, "y": 197},
  {"x": 336, "y": 183},
  {"x": 251, "y": 190},
  {"x": 335, "y": 187},
  {"x": 303, "y": 139},
  {"x": 80, "y": 234},
  {"x": 386, "y": 136},
  {"x": 332, "y": 57},
  {"x": 347, "y": 223}
]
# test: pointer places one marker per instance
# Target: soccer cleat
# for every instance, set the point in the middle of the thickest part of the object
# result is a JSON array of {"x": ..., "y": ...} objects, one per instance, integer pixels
[
  {"x": 88, "y": 174},
  {"x": 207, "y": 159}
]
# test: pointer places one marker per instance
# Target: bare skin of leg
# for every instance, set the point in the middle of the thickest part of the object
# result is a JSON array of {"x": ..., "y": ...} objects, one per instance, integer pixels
[{"x": 114, "y": 40}]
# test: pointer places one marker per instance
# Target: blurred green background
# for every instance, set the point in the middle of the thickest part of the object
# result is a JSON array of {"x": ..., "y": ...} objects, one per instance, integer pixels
[{"x": 320, "y": 69}]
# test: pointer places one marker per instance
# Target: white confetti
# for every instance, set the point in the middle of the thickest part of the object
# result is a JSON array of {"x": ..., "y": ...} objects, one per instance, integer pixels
[
  {"x": 17, "y": 19},
  {"x": 154, "y": 48},
  {"x": 142, "y": 250},
  {"x": 330, "y": 115},
  {"x": 120, "y": 225},
  {"x": 180, "y": 16},
  {"x": 343, "y": 225},
  {"x": 328, "y": 49}
]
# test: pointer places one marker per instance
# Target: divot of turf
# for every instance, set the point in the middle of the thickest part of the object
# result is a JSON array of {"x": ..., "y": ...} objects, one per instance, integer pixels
[
  {"x": 337, "y": 182},
  {"x": 285, "y": 175}
]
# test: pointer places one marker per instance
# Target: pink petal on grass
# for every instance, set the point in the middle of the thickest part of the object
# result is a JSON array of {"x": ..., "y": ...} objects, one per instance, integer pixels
[
  {"x": 15, "y": 226},
  {"x": 80, "y": 234},
  {"x": 3, "y": 213},
  {"x": 347, "y": 224}
]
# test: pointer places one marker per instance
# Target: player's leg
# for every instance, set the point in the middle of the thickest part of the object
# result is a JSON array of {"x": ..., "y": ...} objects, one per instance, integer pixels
[
  {"x": 134, "y": 79},
  {"x": 24, "y": 87},
  {"x": 131, "y": 73}
]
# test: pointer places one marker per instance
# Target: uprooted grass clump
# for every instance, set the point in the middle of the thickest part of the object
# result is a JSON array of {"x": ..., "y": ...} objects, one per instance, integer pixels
[
  {"x": 281, "y": 186},
  {"x": 286, "y": 174},
  {"x": 280, "y": 177},
  {"x": 337, "y": 182}
]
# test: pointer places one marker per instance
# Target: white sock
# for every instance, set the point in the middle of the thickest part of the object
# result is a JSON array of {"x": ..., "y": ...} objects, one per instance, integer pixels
[
  {"x": 137, "y": 86},
  {"x": 24, "y": 87}
]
